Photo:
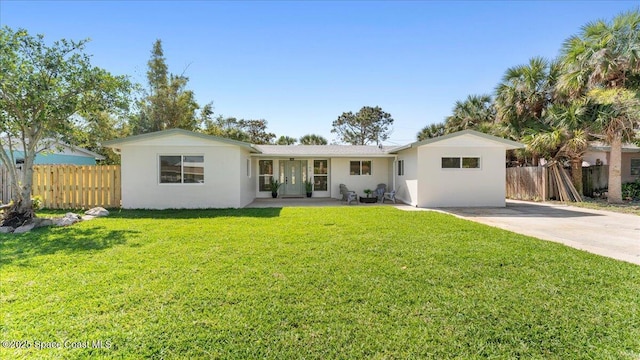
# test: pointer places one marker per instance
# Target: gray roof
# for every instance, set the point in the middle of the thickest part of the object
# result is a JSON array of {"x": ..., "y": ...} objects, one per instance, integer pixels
[
  {"x": 324, "y": 150},
  {"x": 508, "y": 144},
  {"x": 117, "y": 142},
  {"x": 602, "y": 146}
]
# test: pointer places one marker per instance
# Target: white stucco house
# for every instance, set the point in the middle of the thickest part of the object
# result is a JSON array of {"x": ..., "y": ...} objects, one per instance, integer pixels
[{"x": 182, "y": 169}]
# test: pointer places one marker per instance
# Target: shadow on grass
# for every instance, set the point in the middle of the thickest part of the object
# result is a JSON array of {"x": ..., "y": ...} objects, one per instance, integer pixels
[
  {"x": 52, "y": 240},
  {"x": 194, "y": 213}
]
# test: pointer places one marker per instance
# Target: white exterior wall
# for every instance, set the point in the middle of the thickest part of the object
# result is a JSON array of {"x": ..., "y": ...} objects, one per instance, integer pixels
[
  {"x": 340, "y": 174},
  {"x": 141, "y": 187},
  {"x": 407, "y": 185},
  {"x": 461, "y": 187},
  {"x": 247, "y": 181}
]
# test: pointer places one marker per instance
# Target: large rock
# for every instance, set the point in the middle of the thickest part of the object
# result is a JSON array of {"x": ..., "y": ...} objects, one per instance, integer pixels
[
  {"x": 24, "y": 228},
  {"x": 67, "y": 219},
  {"x": 6, "y": 229},
  {"x": 97, "y": 212}
]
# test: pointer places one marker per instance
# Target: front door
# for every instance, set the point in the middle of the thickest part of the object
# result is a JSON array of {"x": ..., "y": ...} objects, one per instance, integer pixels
[{"x": 293, "y": 182}]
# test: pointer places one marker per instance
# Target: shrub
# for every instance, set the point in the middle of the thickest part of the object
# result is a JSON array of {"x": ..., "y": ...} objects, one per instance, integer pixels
[{"x": 631, "y": 190}]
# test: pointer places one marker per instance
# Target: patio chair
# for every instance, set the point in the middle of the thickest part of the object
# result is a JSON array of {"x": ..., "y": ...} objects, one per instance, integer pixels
[
  {"x": 389, "y": 196},
  {"x": 348, "y": 195},
  {"x": 380, "y": 190}
]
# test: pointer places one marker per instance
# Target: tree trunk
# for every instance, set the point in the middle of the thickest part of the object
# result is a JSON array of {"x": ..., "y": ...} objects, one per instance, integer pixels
[
  {"x": 615, "y": 164},
  {"x": 576, "y": 173},
  {"x": 22, "y": 209}
]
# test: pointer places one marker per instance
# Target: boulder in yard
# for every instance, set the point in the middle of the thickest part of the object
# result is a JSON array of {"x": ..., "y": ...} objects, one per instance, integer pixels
[
  {"x": 67, "y": 219},
  {"x": 24, "y": 228},
  {"x": 6, "y": 229},
  {"x": 97, "y": 212}
]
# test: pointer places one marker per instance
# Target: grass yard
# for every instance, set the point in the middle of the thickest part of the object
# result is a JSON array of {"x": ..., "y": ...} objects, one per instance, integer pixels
[{"x": 317, "y": 283}]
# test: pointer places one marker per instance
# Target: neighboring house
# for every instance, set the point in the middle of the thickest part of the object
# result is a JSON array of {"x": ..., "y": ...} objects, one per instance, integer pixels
[
  {"x": 598, "y": 154},
  {"x": 59, "y": 154},
  {"x": 182, "y": 169}
]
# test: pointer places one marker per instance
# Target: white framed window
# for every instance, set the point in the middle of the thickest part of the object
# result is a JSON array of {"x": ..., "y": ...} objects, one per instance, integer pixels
[
  {"x": 360, "y": 167},
  {"x": 320, "y": 175},
  {"x": 265, "y": 173},
  {"x": 635, "y": 166},
  {"x": 181, "y": 169},
  {"x": 461, "y": 162},
  {"x": 400, "y": 167}
]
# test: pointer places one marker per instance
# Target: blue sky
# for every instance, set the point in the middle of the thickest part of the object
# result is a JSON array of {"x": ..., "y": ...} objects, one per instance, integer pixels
[{"x": 299, "y": 65}]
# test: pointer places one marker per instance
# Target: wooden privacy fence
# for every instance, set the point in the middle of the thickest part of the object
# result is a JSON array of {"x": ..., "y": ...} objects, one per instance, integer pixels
[
  {"x": 594, "y": 178},
  {"x": 73, "y": 187},
  {"x": 532, "y": 183},
  {"x": 5, "y": 186},
  {"x": 527, "y": 183}
]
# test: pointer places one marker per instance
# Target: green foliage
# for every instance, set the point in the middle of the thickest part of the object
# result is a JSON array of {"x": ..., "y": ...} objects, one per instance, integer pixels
[
  {"x": 308, "y": 186},
  {"x": 369, "y": 125},
  {"x": 318, "y": 283},
  {"x": 167, "y": 103},
  {"x": 631, "y": 191},
  {"x": 286, "y": 140},
  {"x": 251, "y": 131},
  {"x": 431, "y": 131},
  {"x": 274, "y": 185},
  {"x": 43, "y": 89},
  {"x": 472, "y": 113},
  {"x": 313, "y": 139}
]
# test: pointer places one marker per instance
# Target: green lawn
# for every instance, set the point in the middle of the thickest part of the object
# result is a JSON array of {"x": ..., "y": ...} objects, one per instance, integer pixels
[{"x": 320, "y": 283}]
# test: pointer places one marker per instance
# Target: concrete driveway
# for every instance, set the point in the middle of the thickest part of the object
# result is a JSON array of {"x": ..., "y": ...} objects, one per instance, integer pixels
[{"x": 601, "y": 232}]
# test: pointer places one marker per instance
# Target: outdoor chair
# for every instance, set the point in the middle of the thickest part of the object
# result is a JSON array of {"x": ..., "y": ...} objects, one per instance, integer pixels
[
  {"x": 348, "y": 195},
  {"x": 389, "y": 196},
  {"x": 380, "y": 190}
]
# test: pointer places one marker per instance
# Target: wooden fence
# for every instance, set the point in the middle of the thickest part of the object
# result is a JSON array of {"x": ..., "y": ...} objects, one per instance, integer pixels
[
  {"x": 73, "y": 187},
  {"x": 527, "y": 183},
  {"x": 594, "y": 178},
  {"x": 532, "y": 183}
]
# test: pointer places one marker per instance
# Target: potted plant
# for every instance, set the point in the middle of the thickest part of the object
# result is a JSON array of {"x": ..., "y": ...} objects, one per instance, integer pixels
[
  {"x": 274, "y": 185},
  {"x": 308, "y": 185},
  {"x": 368, "y": 199}
]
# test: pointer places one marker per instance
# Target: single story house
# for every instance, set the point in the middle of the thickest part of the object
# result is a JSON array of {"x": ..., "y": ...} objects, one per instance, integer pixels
[
  {"x": 60, "y": 153},
  {"x": 182, "y": 169},
  {"x": 598, "y": 153}
]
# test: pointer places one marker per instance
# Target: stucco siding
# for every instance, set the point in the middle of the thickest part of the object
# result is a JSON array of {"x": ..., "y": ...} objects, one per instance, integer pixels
[
  {"x": 626, "y": 167},
  {"x": 340, "y": 174},
  {"x": 141, "y": 187},
  {"x": 407, "y": 184},
  {"x": 440, "y": 187}
]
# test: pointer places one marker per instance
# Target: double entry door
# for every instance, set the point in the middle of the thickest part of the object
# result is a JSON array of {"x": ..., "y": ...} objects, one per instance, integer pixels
[{"x": 295, "y": 173}]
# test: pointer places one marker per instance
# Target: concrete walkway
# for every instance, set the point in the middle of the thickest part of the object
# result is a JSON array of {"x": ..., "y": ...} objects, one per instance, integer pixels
[{"x": 605, "y": 233}]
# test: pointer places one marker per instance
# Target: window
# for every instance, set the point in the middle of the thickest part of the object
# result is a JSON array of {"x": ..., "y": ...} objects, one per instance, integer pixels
[
  {"x": 635, "y": 167},
  {"x": 320, "y": 171},
  {"x": 400, "y": 167},
  {"x": 360, "y": 167},
  {"x": 265, "y": 172},
  {"x": 181, "y": 169},
  {"x": 460, "y": 162},
  {"x": 248, "y": 167}
]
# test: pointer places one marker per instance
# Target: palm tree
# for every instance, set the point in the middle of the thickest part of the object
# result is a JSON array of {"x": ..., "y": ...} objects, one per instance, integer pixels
[
  {"x": 471, "y": 113},
  {"x": 524, "y": 94},
  {"x": 313, "y": 139},
  {"x": 603, "y": 63},
  {"x": 286, "y": 140},
  {"x": 431, "y": 131}
]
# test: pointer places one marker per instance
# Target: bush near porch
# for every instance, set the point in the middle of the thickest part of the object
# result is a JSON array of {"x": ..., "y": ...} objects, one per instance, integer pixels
[{"x": 343, "y": 282}]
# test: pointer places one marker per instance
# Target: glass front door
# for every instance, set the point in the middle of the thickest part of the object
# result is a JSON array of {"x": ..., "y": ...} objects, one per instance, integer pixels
[{"x": 293, "y": 177}]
